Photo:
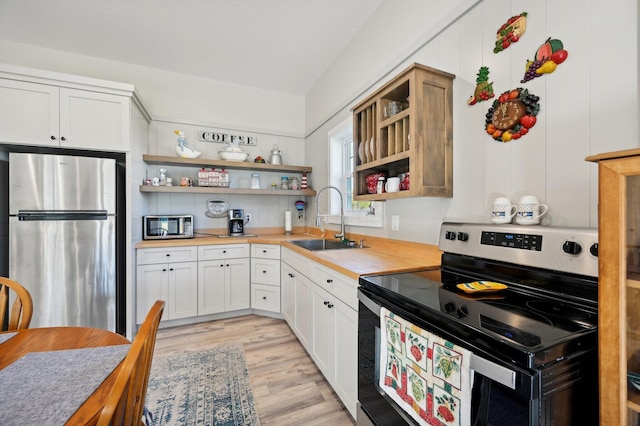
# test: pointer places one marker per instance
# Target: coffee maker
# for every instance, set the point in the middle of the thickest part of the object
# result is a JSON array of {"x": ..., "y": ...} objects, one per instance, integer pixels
[{"x": 235, "y": 222}]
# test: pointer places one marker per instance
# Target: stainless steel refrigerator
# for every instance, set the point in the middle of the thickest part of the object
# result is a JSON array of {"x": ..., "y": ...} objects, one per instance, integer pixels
[{"x": 62, "y": 237}]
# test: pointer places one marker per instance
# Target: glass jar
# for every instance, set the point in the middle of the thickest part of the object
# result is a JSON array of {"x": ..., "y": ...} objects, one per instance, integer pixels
[
  {"x": 294, "y": 183},
  {"x": 255, "y": 180},
  {"x": 380, "y": 186},
  {"x": 284, "y": 182}
]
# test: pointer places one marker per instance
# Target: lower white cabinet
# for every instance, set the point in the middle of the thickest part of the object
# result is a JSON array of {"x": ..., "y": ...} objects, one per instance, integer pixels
[
  {"x": 296, "y": 302},
  {"x": 265, "y": 277},
  {"x": 175, "y": 282},
  {"x": 223, "y": 278},
  {"x": 321, "y": 305}
]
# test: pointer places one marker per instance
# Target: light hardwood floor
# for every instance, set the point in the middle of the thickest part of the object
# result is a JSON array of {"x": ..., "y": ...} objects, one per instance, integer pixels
[{"x": 287, "y": 386}]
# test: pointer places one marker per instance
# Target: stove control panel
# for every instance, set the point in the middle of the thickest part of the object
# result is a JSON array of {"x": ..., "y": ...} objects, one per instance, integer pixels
[
  {"x": 510, "y": 240},
  {"x": 573, "y": 250}
]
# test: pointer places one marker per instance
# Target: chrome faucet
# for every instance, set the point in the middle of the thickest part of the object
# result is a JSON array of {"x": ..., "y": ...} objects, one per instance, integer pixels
[{"x": 318, "y": 221}]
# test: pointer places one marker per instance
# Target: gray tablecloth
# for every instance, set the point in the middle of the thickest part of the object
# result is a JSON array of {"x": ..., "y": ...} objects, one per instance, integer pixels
[
  {"x": 6, "y": 336},
  {"x": 46, "y": 388}
]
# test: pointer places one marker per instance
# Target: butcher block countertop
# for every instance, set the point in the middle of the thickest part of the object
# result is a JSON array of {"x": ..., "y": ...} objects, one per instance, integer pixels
[{"x": 380, "y": 255}]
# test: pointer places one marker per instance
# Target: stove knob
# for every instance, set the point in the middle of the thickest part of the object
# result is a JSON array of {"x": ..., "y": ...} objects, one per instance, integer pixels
[
  {"x": 450, "y": 235},
  {"x": 594, "y": 249},
  {"x": 449, "y": 307},
  {"x": 571, "y": 247},
  {"x": 463, "y": 236}
]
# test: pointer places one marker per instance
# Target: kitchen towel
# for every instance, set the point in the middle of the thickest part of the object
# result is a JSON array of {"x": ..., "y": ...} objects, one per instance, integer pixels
[{"x": 427, "y": 376}]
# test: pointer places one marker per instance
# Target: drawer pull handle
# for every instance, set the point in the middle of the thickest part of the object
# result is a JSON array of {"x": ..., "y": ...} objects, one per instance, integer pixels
[
  {"x": 291, "y": 275},
  {"x": 221, "y": 265},
  {"x": 329, "y": 306},
  {"x": 170, "y": 269},
  {"x": 168, "y": 254},
  {"x": 329, "y": 281},
  {"x": 164, "y": 270},
  {"x": 264, "y": 272},
  {"x": 224, "y": 251},
  {"x": 326, "y": 302},
  {"x": 264, "y": 297},
  {"x": 264, "y": 251}
]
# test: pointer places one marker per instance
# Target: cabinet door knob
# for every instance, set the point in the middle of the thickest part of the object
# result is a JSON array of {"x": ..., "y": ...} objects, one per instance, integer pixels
[
  {"x": 168, "y": 254},
  {"x": 329, "y": 281},
  {"x": 63, "y": 138},
  {"x": 329, "y": 306},
  {"x": 164, "y": 270},
  {"x": 53, "y": 138},
  {"x": 326, "y": 302},
  {"x": 264, "y": 272},
  {"x": 222, "y": 266},
  {"x": 291, "y": 275},
  {"x": 224, "y": 251},
  {"x": 171, "y": 269},
  {"x": 264, "y": 251},
  {"x": 264, "y": 297}
]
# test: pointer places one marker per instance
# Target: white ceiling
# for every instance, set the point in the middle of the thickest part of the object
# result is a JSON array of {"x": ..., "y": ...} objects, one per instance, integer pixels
[{"x": 280, "y": 45}]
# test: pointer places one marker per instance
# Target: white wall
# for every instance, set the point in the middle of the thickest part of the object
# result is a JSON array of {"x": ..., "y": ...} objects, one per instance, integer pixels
[
  {"x": 176, "y": 96},
  {"x": 589, "y": 105}
]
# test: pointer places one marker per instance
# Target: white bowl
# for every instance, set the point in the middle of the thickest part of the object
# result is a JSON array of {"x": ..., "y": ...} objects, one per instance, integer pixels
[{"x": 233, "y": 156}]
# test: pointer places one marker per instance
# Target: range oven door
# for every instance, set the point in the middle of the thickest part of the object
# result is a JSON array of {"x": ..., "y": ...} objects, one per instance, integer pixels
[{"x": 501, "y": 395}]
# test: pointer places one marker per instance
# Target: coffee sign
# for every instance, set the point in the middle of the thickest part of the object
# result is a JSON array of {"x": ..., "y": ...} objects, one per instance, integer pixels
[{"x": 208, "y": 136}]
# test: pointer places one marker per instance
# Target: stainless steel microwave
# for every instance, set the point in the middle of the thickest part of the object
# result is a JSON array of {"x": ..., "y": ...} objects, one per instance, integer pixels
[{"x": 165, "y": 227}]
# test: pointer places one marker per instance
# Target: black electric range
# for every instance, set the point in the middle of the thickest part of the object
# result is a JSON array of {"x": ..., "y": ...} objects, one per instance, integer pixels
[{"x": 539, "y": 334}]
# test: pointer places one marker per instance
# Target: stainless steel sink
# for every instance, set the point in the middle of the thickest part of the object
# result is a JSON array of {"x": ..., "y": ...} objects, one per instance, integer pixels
[{"x": 315, "y": 245}]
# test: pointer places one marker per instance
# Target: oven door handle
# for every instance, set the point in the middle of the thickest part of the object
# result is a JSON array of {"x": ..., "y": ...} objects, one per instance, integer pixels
[{"x": 489, "y": 369}]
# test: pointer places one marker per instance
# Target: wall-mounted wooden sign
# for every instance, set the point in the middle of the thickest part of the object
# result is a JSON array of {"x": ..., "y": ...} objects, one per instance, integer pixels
[{"x": 219, "y": 137}]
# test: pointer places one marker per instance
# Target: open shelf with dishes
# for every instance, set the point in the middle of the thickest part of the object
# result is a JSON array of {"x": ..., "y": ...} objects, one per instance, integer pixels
[
  {"x": 228, "y": 165},
  {"x": 405, "y": 129}
]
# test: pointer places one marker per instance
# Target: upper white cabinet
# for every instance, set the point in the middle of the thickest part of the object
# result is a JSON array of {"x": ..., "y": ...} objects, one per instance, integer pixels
[
  {"x": 44, "y": 109},
  {"x": 94, "y": 120}
]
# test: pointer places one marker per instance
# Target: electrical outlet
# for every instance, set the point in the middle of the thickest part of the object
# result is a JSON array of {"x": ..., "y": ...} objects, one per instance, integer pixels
[
  {"x": 248, "y": 217},
  {"x": 395, "y": 222}
]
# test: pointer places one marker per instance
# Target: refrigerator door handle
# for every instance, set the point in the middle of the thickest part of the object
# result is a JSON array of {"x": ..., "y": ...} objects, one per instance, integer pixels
[{"x": 40, "y": 215}]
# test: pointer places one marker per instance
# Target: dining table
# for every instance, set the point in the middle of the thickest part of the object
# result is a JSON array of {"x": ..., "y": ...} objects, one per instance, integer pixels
[{"x": 16, "y": 344}]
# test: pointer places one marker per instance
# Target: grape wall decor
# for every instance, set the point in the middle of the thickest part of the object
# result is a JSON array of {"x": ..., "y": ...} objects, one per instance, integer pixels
[
  {"x": 512, "y": 115},
  {"x": 546, "y": 60},
  {"x": 484, "y": 89},
  {"x": 510, "y": 32}
]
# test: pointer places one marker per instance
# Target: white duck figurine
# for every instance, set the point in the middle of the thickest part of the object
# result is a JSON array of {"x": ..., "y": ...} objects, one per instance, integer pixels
[{"x": 183, "y": 150}]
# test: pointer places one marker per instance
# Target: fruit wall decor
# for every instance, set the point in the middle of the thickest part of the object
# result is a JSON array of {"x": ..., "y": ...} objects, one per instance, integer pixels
[
  {"x": 510, "y": 32},
  {"x": 484, "y": 89},
  {"x": 547, "y": 58},
  {"x": 512, "y": 115}
]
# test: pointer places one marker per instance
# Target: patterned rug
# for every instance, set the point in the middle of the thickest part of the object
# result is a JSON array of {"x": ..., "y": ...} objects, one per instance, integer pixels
[{"x": 209, "y": 387}]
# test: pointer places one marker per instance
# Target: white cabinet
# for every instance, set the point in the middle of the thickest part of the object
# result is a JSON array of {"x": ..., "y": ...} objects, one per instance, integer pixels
[
  {"x": 169, "y": 274},
  {"x": 321, "y": 305},
  {"x": 296, "y": 302},
  {"x": 223, "y": 278},
  {"x": 265, "y": 277},
  {"x": 94, "y": 120},
  {"x": 51, "y": 115},
  {"x": 335, "y": 334}
]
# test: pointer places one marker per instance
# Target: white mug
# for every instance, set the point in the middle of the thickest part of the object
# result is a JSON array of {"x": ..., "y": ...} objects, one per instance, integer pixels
[
  {"x": 392, "y": 184},
  {"x": 503, "y": 211},
  {"x": 530, "y": 210}
]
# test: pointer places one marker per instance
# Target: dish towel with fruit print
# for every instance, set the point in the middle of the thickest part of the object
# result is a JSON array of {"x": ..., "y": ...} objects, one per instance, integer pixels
[{"x": 426, "y": 375}]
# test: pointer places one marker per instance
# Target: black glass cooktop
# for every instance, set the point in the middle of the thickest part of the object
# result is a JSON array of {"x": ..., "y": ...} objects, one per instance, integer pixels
[{"x": 539, "y": 324}]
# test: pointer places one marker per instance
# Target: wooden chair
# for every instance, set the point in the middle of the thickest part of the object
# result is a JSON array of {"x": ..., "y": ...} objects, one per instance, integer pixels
[
  {"x": 21, "y": 310},
  {"x": 125, "y": 403}
]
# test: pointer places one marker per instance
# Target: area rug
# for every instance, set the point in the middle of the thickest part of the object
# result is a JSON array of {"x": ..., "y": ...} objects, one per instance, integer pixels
[{"x": 209, "y": 387}]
